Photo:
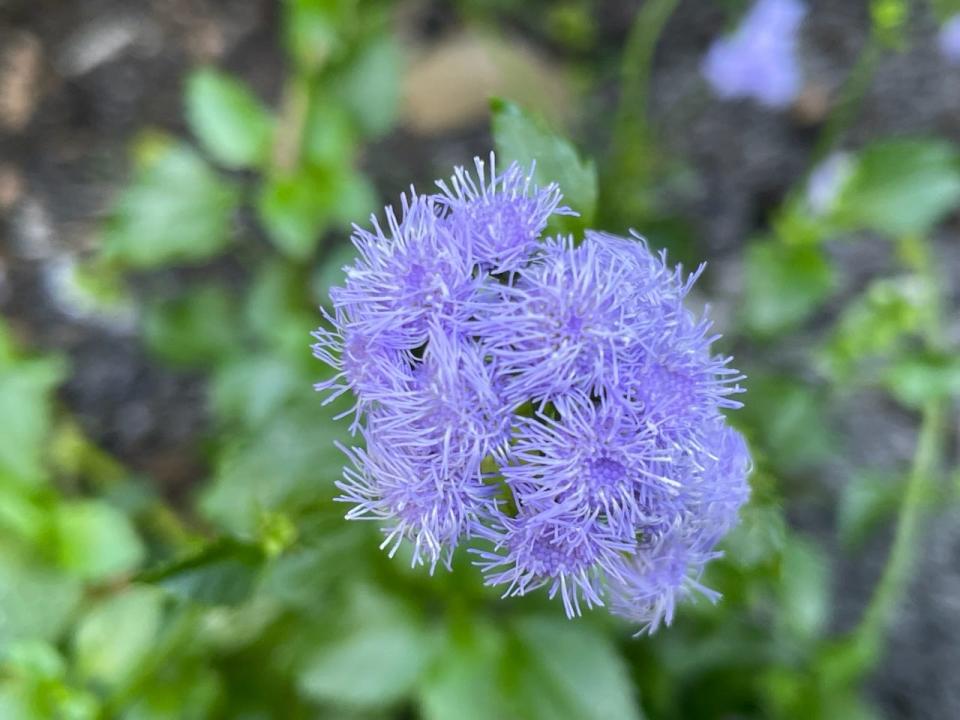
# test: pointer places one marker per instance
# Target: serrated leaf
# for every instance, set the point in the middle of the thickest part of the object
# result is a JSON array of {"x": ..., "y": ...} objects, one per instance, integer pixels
[
  {"x": 784, "y": 284},
  {"x": 566, "y": 669},
  {"x": 901, "y": 186},
  {"x": 95, "y": 541},
  {"x": 523, "y": 138},
  {"x": 227, "y": 118},
  {"x": 115, "y": 635},
  {"x": 224, "y": 572},
  {"x": 177, "y": 209}
]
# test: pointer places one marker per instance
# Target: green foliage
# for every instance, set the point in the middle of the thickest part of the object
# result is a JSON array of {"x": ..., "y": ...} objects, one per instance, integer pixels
[
  {"x": 566, "y": 670},
  {"x": 901, "y": 187},
  {"x": 230, "y": 123},
  {"x": 177, "y": 209},
  {"x": 783, "y": 285},
  {"x": 526, "y": 139},
  {"x": 251, "y": 597}
]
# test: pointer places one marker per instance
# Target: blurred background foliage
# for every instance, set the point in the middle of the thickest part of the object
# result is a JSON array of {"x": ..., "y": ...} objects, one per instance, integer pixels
[{"x": 221, "y": 580}]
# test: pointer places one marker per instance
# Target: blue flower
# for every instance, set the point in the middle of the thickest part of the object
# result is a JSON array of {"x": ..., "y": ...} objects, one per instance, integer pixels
[
  {"x": 949, "y": 39},
  {"x": 759, "y": 59},
  {"x": 554, "y": 406}
]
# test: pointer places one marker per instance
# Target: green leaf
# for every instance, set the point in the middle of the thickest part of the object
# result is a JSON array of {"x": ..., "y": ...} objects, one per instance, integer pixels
[
  {"x": 95, "y": 541},
  {"x": 563, "y": 669},
  {"x": 295, "y": 209},
  {"x": 25, "y": 394},
  {"x": 784, "y": 284},
  {"x": 376, "y": 665},
  {"x": 198, "y": 328},
  {"x": 224, "y": 572},
  {"x": 915, "y": 381},
  {"x": 523, "y": 138},
  {"x": 314, "y": 30},
  {"x": 227, "y": 118},
  {"x": 804, "y": 590},
  {"x": 877, "y": 322},
  {"x": 177, "y": 210},
  {"x": 867, "y": 500},
  {"x": 464, "y": 681},
  {"x": 789, "y": 420},
  {"x": 288, "y": 465},
  {"x": 117, "y": 634},
  {"x": 370, "y": 86},
  {"x": 36, "y": 602},
  {"x": 901, "y": 186},
  {"x": 249, "y": 390},
  {"x": 758, "y": 538}
]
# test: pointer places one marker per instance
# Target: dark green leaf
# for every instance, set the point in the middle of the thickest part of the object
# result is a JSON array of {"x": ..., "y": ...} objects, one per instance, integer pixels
[
  {"x": 176, "y": 210},
  {"x": 901, "y": 186},
  {"x": 523, "y": 138},
  {"x": 224, "y": 572},
  {"x": 229, "y": 121},
  {"x": 784, "y": 284}
]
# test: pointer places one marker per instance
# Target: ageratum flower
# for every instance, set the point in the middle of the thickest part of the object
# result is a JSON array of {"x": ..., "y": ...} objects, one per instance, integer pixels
[
  {"x": 552, "y": 404},
  {"x": 949, "y": 39},
  {"x": 759, "y": 60}
]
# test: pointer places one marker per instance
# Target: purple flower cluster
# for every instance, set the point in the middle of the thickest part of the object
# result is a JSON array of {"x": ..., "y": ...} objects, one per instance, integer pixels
[
  {"x": 759, "y": 60},
  {"x": 551, "y": 404}
]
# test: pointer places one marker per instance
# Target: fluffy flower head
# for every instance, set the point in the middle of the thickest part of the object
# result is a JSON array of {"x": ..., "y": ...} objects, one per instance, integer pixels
[{"x": 548, "y": 402}]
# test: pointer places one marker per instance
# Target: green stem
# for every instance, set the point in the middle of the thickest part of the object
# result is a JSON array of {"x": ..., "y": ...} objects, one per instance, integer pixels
[
  {"x": 630, "y": 160},
  {"x": 869, "y": 635},
  {"x": 636, "y": 65},
  {"x": 851, "y": 95}
]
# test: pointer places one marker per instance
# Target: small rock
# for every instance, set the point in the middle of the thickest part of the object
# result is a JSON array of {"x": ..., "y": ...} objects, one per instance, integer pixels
[{"x": 21, "y": 64}]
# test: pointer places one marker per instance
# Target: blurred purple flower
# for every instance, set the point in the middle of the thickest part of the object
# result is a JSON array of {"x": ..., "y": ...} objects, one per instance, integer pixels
[
  {"x": 553, "y": 404},
  {"x": 759, "y": 60},
  {"x": 949, "y": 39}
]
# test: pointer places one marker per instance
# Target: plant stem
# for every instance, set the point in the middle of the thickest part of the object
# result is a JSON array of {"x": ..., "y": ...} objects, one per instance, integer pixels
[
  {"x": 851, "y": 95},
  {"x": 630, "y": 159},
  {"x": 878, "y": 617}
]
